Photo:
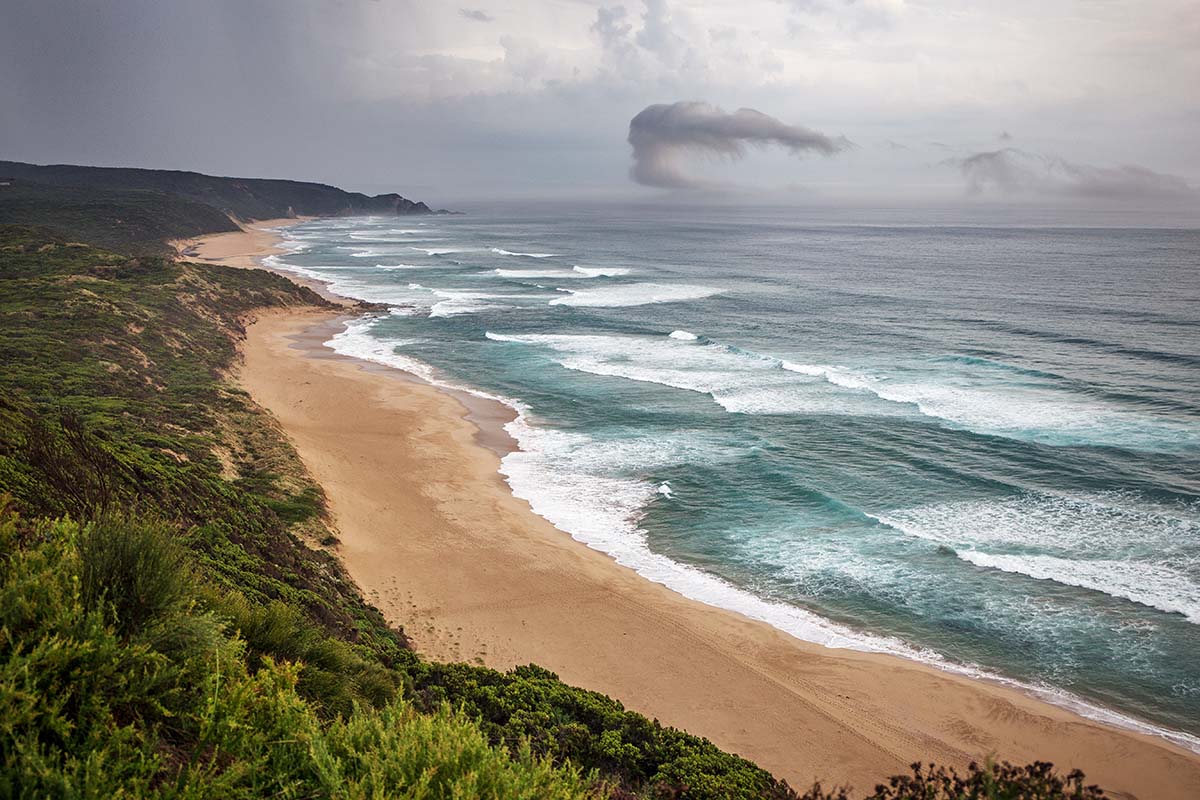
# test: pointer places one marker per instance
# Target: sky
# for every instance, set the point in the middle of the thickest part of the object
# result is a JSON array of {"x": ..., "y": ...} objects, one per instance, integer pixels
[{"x": 1060, "y": 101}]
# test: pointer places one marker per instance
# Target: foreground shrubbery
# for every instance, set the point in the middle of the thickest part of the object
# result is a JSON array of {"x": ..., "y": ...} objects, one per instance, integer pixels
[
  {"x": 122, "y": 673},
  {"x": 181, "y": 639},
  {"x": 118, "y": 678}
]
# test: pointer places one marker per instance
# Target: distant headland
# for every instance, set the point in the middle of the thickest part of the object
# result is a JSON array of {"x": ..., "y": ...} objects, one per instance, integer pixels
[{"x": 150, "y": 206}]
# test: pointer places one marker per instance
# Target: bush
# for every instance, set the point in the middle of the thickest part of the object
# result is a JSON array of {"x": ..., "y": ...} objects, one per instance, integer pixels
[
  {"x": 333, "y": 674},
  {"x": 98, "y": 701},
  {"x": 132, "y": 569},
  {"x": 1002, "y": 781}
]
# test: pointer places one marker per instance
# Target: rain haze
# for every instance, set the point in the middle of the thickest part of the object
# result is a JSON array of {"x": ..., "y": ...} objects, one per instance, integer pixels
[{"x": 899, "y": 100}]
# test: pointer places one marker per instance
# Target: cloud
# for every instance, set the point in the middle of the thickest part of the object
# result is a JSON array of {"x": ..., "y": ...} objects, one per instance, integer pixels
[
  {"x": 1012, "y": 172},
  {"x": 477, "y": 14},
  {"x": 661, "y": 134},
  {"x": 658, "y": 34}
]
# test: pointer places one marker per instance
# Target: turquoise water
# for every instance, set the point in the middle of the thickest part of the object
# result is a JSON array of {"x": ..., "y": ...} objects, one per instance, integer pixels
[{"x": 977, "y": 446}]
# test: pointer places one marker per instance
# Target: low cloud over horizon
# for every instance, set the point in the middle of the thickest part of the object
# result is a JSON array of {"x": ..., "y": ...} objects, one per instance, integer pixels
[
  {"x": 1010, "y": 172},
  {"x": 663, "y": 134}
]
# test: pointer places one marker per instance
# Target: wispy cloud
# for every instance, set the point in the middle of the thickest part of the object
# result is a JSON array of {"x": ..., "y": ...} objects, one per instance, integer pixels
[
  {"x": 1013, "y": 172},
  {"x": 477, "y": 14},
  {"x": 662, "y": 134}
]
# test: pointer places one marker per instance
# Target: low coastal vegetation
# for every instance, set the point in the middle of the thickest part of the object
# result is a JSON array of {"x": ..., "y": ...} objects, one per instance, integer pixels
[
  {"x": 138, "y": 222},
  {"x": 174, "y": 624}
]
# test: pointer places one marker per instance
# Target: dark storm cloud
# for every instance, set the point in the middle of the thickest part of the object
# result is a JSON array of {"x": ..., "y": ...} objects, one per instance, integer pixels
[
  {"x": 1013, "y": 172},
  {"x": 477, "y": 14},
  {"x": 662, "y": 134}
]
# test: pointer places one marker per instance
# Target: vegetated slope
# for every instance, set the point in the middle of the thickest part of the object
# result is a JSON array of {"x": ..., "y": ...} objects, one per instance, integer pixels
[
  {"x": 244, "y": 198},
  {"x": 115, "y": 410},
  {"x": 170, "y": 624},
  {"x": 132, "y": 221}
]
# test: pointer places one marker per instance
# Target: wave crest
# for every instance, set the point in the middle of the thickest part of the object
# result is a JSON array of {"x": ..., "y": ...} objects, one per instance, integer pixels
[{"x": 636, "y": 294}]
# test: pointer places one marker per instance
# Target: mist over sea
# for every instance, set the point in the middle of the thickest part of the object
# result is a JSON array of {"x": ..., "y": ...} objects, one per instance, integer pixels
[{"x": 975, "y": 445}]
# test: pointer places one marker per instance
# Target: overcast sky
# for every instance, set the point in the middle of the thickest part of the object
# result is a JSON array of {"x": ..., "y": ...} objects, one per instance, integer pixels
[{"x": 895, "y": 99}]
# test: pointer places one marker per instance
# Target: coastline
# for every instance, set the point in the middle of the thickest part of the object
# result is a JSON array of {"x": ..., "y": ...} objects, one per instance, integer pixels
[
  {"x": 417, "y": 499},
  {"x": 246, "y": 249}
]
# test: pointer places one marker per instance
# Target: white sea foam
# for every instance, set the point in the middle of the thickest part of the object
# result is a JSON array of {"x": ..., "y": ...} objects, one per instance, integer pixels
[
  {"x": 570, "y": 479},
  {"x": 346, "y": 285},
  {"x": 441, "y": 251},
  {"x": 749, "y": 383},
  {"x": 501, "y": 251},
  {"x": 574, "y": 272},
  {"x": 1037, "y": 412},
  {"x": 376, "y": 252},
  {"x": 567, "y": 478},
  {"x": 601, "y": 272},
  {"x": 275, "y": 262},
  {"x": 1111, "y": 543},
  {"x": 838, "y": 376},
  {"x": 575, "y": 482},
  {"x": 740, "y": 382},
  {"x": 1147, "y": 584},
  {"x": 407, "y": 266},
  {"x": 389, "y": 237},
  {"x": 454, "y": 302},
  {"x": 636, "y": 294},
  {"x": 355, "y": 341},
  {"x": 370, "y": 235},
  {"x": 294, "y": 245},
  {"x": 534, "y": 273}
]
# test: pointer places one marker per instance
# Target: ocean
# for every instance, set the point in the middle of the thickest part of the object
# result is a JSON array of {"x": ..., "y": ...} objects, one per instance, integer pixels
[{"x": 976, "y": 446}]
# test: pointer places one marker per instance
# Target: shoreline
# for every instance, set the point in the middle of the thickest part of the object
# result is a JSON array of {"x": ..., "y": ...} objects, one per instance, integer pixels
[
  {"x": 522, "y": 590},
  {"x": 246, "y": 249}
]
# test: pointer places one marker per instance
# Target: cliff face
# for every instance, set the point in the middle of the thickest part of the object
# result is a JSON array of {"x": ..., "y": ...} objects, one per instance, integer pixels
[{"x": 242, "y": 198}]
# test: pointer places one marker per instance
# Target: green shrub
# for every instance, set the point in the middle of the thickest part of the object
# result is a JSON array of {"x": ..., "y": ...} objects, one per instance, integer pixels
[
  {"x": 333, "y": 675},
  {"x": 530, "y": 704},
  {"x": 994, "y": 781},
  {"x": 132, "y": 569},
  {"x": 94, "y": 704}
]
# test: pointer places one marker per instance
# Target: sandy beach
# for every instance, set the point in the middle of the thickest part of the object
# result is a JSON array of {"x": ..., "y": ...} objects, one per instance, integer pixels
[
  {"x": 247, "y": 248},
  {"x": 433, "y": 536}
]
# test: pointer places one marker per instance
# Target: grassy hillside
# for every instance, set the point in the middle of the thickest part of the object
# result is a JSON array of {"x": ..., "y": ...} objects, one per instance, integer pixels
[
  {"x": 138, "y": 222},
  {"x": 172, "y": 624},
  {"x": 244, "y": 198}
]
